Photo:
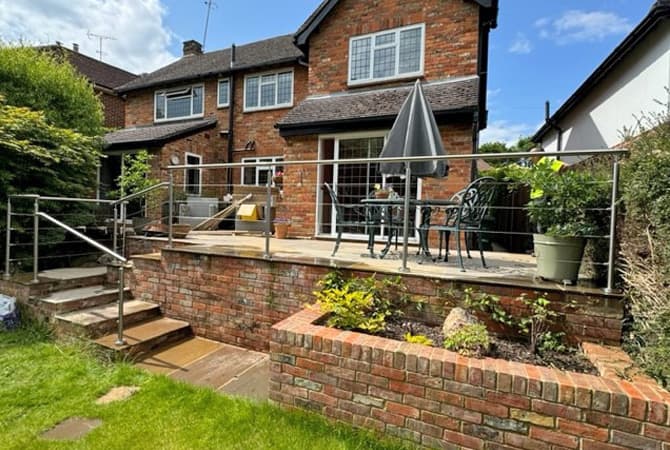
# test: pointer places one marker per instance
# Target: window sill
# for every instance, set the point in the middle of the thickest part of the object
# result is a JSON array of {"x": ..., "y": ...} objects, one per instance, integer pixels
[
  {"x": 179, "y": 119},
  {"x": 267, "y": 108},
  {"x": 404, "y": 77}
]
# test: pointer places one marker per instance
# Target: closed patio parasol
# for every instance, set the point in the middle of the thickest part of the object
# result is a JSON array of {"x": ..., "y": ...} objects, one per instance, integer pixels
[{"x": 414, "y": 133}]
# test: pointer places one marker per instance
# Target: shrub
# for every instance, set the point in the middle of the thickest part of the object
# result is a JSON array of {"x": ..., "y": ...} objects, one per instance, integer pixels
[
  {"x": 469, "y": 340},
  {"x": 418, "y": 339},
  {"x": 488, "y": 304},
  {"x": 360, "y": 303},
  {"x": 644, "y": 245},
  {"x": 537, "y": 325}
]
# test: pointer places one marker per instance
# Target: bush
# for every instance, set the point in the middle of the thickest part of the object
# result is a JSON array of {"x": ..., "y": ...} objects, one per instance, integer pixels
[
  {"x": 644, "y": 245},
  {"x": 360, "y": 303},
  {"x": 469, "y": 340},
  {"x": 418, "y": 339}
]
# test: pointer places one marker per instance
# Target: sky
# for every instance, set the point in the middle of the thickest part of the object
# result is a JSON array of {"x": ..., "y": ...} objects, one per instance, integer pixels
[{"x": 542, "y": 49}]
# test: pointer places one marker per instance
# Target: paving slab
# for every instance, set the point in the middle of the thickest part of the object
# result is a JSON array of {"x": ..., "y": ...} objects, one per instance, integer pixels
[
  {"x": 179, "y": 355},
  {"x": 117, "y": 394},
  {"x": 219, "y": 367},
  {"x": 78, "y": 293},
  {"x": 73, "y": 273},
  {"x": 72, "y": 429},
  {"x": 253, "y": 383},
  {"x": 90, "y": 316}
]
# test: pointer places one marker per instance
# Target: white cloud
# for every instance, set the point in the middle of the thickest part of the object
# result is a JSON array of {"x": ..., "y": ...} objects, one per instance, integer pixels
[
  {"x": 140, "y": 41},
  {"x": 504, "y": 131},
  {"x": 521, "y": 45},
  {"x": 582, "y": 26}
]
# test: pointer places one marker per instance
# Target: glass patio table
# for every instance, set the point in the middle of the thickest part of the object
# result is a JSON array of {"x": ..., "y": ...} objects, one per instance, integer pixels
[{"x": 380, "y": 212}]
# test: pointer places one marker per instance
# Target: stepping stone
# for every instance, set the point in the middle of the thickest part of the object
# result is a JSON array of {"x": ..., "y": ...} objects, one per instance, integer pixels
[
  {"x": 117, "y": 394},
  {"x": 72, "y": 429}
]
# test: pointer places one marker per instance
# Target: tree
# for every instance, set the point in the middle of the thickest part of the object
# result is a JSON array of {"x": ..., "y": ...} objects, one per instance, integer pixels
[
  {"x": 524, "y": 144},
  {"x": 39, "y": 80},
  {"x": 50, "y": 126}
]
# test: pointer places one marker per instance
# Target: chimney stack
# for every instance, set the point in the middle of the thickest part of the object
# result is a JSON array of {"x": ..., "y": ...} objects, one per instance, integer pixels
[
  {"x": 192, "y": 48},
  {"x": 75, "y": 47}
]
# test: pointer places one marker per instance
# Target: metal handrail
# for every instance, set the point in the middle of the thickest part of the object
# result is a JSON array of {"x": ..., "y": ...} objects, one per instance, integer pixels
[
  {"x": 469, "y": 157},
  {"x": 62, "y": 199},
  {"x": 113, "y": 254},
  {"x": 140, "y": 193}
]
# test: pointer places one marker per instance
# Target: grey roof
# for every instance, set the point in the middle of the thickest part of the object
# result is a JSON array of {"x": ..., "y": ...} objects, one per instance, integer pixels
[
  {"x": 275, "y": 50},
  {"x": 443, "y": 96},
  {"x": 153, "y": 134}
]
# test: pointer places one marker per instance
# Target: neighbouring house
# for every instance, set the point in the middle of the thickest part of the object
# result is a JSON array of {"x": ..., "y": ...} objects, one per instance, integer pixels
[
  {"x": 104, "y": 77},
  {"x": 331, "y": 90},
  {"x": 632, "y": 81}
]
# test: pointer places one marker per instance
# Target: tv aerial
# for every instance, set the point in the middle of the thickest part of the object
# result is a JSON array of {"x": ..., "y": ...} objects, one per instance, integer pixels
[{"x": 100, "y": 38}]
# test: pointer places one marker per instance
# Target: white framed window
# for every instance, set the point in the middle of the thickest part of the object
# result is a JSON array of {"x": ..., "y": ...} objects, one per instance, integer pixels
[
  {"x": 268, "y": 90},
  {"x": 223, "y": 94},
  {"x": 179, "y": 103},
  {"x": 387, "y": 55},
  {"x": 258, "y": 175},
  {"x": 193, "y": 177}
]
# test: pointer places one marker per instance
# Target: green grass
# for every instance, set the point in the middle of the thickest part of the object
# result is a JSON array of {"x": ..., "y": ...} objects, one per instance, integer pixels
[{"x": 43, "y": 382}]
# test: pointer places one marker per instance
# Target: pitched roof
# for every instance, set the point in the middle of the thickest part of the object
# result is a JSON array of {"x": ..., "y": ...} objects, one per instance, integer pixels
[
  {"x": 100, "y": 73},
  {"x": 275, "y": 50},
  {"x": 153, "y": 135},
  {"x": 658, "y": 12},
  {"x": 447, "y": 96},
  {"x": 326, "y": 6}
]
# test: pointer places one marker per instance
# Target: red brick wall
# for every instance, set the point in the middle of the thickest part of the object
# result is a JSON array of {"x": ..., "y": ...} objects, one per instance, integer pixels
[
  {"x": 114, "y": 109},
  {"x": 450, "y": 47},
  {"x": 236, "y": 300},
  {"x": 300, "y": 181},
  {"x": 440, "y": 399}
]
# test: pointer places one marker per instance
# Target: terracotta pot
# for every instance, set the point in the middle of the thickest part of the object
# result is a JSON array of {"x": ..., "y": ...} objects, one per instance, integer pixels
[
  {"x": 382, "y": 194},
  {"x": 281, "y": 230}
]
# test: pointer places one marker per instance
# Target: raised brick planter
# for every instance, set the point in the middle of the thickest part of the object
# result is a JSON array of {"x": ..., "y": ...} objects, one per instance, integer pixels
[{"x": 440, "y": 399}]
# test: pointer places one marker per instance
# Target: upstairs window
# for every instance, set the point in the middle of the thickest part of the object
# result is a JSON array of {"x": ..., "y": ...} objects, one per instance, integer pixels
[
  {"x": 387, "y": 55},
  {"x": 224, "y": 93},
  {"x": 268, "y": 91},
  {"x": 179, "y": 103},
  {"x": 258, "y": 175}
]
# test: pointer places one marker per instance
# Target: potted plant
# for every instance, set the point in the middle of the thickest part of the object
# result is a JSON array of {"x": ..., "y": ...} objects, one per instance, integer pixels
[
  {"x": 566, "y": 207},
  {"x": 281, "y": 227},
  {"x": 382, "y": 192}
]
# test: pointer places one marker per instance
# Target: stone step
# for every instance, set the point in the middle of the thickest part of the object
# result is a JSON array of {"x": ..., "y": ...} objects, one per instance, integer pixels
[
  {"x": 143, "y": 338},
  {"x": 78, "y": 298},
  {"x": 100, "y": 320},
  {"x": 61, "y": 279}
]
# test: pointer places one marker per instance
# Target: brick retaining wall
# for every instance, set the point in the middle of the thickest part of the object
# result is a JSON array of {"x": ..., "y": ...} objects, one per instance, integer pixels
[
  {"x": 236, "y": 297},
  {"x": 440, "y": 399}
]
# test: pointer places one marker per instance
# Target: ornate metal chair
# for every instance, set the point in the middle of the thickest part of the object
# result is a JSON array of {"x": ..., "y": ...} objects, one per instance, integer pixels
[{"x": 469, "y": 215}]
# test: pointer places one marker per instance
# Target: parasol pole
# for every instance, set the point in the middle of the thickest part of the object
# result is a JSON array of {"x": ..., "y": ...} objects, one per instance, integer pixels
[{"x": 405, "y": 226}]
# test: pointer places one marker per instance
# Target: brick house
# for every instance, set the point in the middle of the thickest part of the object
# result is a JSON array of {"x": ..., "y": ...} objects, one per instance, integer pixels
[{"x": 329, "y": 91}]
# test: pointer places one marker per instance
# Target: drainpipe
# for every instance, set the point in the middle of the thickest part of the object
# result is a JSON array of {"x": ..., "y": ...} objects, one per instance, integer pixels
[
  {"x": 231, "y": 120},
  {"x": 475, "y": 144},
  {"x": 552, "y": 123}
]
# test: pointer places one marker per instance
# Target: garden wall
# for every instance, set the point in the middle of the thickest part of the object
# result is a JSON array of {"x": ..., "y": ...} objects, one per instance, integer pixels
[
  {"x": 236, "y": 297},
  {"x": 440, "y": 399}
]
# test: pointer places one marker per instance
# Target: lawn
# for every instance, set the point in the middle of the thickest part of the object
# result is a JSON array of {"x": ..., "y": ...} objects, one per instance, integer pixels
[{"x": 43, "y": 381}]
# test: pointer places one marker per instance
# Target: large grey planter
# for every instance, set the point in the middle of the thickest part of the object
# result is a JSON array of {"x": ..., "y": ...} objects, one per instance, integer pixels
[{"x": 558, "y": 258}]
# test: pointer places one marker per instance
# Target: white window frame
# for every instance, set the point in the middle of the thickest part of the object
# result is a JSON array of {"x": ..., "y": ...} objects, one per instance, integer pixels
[
  {"x": 172, "y": 119},
  {"x": 273, "y": 162},
  {"x": 186, "y": 185},
  {"x": 397, "y": 76},
  {"x": 218, "y": 93},
  {"x": 259, "y": 75}
]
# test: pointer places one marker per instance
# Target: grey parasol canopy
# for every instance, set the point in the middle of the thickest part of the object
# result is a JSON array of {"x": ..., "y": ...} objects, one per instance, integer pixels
[{"x": 415, "y": 133}]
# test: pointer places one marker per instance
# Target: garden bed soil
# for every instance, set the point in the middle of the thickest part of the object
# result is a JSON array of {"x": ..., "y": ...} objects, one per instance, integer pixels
[{"x": 572, "y": 360}]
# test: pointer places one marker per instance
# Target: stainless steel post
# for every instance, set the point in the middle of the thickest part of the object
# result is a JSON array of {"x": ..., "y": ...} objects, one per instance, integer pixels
[
  {"x": 124, "y": 205},
  {"x": 119, "y": 337},
  {"x": 36, "y": 239},
  {"x": 115, "y": 228},
  {"x": 613, "y": 216},
  {"x": 268, "y": 216},
  {"x": 8, "y": 238},
  {"x": 405, "y": 225},
  {"x": 170, "y": 207}
]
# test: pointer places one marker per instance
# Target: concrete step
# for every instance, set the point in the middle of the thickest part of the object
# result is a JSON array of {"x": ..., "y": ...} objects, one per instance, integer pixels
[
  {"x": 61, "y": 279},
  {"x": 100, "y": 320},
  {"x": 143, "y": 338},
  {"x": 78, "y": 298}
]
